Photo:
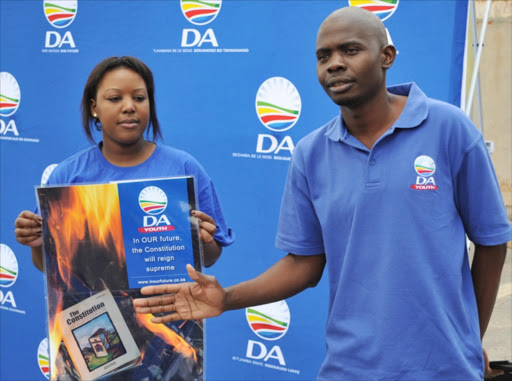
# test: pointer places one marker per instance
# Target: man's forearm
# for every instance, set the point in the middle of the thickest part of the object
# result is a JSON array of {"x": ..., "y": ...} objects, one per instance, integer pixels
[
  {"x": 289, "y": 276},
  {"x": 486, "y": 273}
]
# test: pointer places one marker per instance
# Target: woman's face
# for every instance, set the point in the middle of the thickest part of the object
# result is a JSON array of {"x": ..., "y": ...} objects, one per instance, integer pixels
[{"x": 122, "y": 106}]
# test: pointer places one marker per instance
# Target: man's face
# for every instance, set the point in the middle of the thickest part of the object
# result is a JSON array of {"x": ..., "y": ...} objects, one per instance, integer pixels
[{"x": 349, "y": 61}]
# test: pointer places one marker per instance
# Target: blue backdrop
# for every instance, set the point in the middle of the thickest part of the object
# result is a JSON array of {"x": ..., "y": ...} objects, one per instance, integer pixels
[{"x": 235, "y": 87}]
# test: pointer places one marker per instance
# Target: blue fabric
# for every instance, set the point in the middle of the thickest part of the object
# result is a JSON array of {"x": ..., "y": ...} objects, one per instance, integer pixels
[
  {"x": 401, "y": 302},
  {"x": 90, "y": 166}
]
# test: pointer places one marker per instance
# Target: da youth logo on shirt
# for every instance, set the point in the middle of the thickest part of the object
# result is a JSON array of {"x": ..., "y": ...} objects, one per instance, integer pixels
[
  {"x": 60, "y": 14},
  {"x": 425, "y": 168},
  {"x": 382, "y": 8},
  {"x": 43, "y": 358},
  {"x": 200, "y": 12}
]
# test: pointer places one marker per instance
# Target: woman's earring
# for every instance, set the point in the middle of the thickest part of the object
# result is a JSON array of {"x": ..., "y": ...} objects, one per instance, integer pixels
[{"x": 97, "y": 122}]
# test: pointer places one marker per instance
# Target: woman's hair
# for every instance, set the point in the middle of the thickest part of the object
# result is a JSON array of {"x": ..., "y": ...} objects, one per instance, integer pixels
[{"x": 97, "y": 74}]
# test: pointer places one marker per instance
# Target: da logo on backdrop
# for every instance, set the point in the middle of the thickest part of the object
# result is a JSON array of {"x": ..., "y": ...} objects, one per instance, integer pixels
[
  {"x": 278, "y": 107},
  {"x": 8, "y": 276},
  {"x": 425, "y": 168},
  {"x": 382, "y": 8},
  {"x": 269, "y": 322},
  {"x": 197, "y": 39},
  {"x": 60, "y": 14},
  {"x": 43, "y": 358},
  {"x": 10, "y": 97},
  {"x": 153, "y": 202}
]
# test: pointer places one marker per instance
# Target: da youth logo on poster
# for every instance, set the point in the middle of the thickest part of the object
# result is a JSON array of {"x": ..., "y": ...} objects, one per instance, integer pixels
[
  {"x": 60, "y": 14},
  {"x": 152, "y": 200},
  {"x": 384, "y": 9},
  {"x": 425, "y": 167},
  {"x": 43, "y": 358},
  {"x": 200, "y": 12}
]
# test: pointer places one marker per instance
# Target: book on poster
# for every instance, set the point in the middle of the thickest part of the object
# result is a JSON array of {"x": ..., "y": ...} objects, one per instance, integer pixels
[
  {"x": 97, "y": 337},
  {"x": 107, "y": 241}
]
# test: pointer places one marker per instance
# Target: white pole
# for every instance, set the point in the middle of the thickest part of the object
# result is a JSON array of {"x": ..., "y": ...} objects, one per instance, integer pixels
[{"x": 478, "y": 58}]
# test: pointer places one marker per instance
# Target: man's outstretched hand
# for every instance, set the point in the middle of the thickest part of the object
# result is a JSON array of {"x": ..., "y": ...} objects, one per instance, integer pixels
[{"x": 184, "y": 301}]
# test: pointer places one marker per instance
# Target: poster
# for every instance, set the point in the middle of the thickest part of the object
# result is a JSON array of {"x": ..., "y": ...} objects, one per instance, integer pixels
[{"x": 102, "y": 243}]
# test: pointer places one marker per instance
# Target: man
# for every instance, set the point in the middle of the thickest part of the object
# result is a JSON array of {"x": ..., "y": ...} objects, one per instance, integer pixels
[{"x": 384, "y": 194}]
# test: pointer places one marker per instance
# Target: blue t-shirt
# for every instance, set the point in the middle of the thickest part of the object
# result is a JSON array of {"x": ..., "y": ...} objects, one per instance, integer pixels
[
  {"x": 90, "y": 166},
  {"x": 392, "y": 222}
]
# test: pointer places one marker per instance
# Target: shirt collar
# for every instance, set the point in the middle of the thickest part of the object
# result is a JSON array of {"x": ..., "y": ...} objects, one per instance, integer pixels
[{"x": 413, "y": 114}]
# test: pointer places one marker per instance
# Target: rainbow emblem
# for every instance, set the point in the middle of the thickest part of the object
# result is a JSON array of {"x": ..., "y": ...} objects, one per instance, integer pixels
[
  {"x": 200, "y": 12},
  {"x": 382, "y": 8},
  {"x": 43, "y": 358},
  {"x": 46, "y": 174},
  {"x": 152, "y": 200},
  {"x": 269, "y": 321},
  {"x": 60, "y": 13},
  {"x": 278, "y": 104},
  {"x": 424, "y": 166},
  {"x": 10, "y": 94},
  {"x": 8, "y": 266}
]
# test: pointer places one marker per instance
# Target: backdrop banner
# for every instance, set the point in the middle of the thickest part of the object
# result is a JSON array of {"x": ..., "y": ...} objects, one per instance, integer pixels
[{"x": 236, "y": 87}]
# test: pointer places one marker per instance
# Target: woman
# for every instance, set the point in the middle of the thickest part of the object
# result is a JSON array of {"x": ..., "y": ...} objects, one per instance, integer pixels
[{"x": 119, "y": 101}]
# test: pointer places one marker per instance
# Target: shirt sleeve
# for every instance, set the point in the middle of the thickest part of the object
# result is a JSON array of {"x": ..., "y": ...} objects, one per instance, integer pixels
[
  {"x": 479, "y": 198},
  {"x": 208, "y": 202},
  {"x": 299, "y": 230}
]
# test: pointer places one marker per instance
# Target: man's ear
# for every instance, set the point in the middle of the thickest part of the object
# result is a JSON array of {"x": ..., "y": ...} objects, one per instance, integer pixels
[{"x": 388, "y": 56}]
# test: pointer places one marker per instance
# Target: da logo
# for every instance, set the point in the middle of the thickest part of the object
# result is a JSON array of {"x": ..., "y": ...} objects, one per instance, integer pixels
[
  {"x": 278, "y": 104},
  {"x": 60, "y": 13},
  {"x": 382, "y": 8},
  {"x": 200, "y": 12},
  {"x": 46, "y": 174},
  {"x": 8, "y": 266},
  {"x": 152, "y": 200},
  {"x": 43, "y": 358},
  {"x": 269, "y": 321},
  {"x": 278, "y": 107},
  {"x": 10, "y": 94},
  {"x": 425, "y": 168}
]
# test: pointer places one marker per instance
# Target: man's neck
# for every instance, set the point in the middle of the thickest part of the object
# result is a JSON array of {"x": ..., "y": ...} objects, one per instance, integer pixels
[{"x": 368, "y": 122}]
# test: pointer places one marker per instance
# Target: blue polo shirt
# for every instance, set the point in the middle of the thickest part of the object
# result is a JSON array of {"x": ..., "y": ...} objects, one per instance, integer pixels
[{"x": 392, "y": 222}]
